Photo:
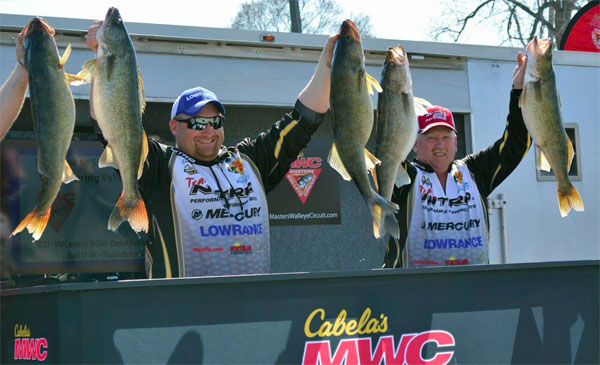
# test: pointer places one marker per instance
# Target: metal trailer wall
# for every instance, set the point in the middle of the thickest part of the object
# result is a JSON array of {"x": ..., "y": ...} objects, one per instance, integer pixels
[{"x": 258, "y": 82}]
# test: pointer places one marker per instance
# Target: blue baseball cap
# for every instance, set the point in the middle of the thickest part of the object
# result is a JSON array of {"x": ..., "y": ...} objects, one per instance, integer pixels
[{"x": 191, "y": 101}]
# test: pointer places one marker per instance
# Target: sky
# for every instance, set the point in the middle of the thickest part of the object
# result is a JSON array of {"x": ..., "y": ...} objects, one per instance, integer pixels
[{"x": 404, "y": 20}]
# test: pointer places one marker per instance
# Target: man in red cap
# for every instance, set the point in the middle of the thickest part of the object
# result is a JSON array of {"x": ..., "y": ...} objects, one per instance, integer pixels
[{"x": 443, "y": 214}]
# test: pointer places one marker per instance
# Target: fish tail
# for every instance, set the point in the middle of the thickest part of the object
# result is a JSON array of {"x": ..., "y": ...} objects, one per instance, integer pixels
[
  {"x": 135, "y": 213},
  {"x": 569, "y": 198},
  {"x": 384, "y": 219},
  {"x": 35, "y": 222}
]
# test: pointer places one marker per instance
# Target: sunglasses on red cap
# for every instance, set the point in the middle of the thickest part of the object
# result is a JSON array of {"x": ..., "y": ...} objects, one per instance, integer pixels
[{"x": 200, "y": 123}]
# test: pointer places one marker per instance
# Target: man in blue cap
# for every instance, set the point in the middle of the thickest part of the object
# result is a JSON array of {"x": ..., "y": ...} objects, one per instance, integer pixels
[{"x": 207, "y": 203}]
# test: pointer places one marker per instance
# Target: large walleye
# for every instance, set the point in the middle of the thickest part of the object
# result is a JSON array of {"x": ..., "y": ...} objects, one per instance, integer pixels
[
  {"x": 353, "y": 121},
  {"x": 53, "y": 112},
  {"x": 397, "y": 124},
  {"x": 118, "y": 102},
  {"x": 541, "y": 112}
]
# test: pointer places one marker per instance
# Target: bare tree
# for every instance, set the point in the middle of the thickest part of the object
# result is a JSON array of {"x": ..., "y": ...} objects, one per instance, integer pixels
[
  {"x": 518, "y": 20},
  {"x": 317, "y": 16}
]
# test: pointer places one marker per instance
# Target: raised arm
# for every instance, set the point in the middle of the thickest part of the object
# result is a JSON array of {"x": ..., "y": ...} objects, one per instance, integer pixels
[
  {"x": 12, "y": 92},
  {"x": 316, "y": 93}
]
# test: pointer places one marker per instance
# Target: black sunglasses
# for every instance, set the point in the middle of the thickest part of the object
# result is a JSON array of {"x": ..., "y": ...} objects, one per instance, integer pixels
[{"x": 200, "y": 123}]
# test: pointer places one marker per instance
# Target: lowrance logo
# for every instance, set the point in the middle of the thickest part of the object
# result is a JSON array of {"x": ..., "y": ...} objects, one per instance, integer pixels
[
  {"x": 447, "y": 243},
  {"x": 231, "y": 230}
]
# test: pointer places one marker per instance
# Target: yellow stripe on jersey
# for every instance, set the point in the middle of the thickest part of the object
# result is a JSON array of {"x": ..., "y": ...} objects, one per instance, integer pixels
[{"x": 282, "y": 135}]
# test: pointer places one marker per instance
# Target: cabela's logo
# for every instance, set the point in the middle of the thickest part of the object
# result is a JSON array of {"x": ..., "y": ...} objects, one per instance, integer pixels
[
  {"x": 303, "y": 175},
  {"x": 28, "y": 348},
  {"x": 360, "y": 350}
]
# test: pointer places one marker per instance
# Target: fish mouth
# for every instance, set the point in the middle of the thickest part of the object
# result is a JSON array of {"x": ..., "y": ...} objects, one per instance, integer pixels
[
  {"x": 349, "y": 29},
  {"x": 396, "y": 55},
  {"x": 38, "y": 24},
  {"x": 113, "y": 16},
  {"x": 544, "y": 45}
]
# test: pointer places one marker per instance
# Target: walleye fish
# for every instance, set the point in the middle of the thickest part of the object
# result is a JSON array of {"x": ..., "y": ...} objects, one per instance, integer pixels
[
  {"x": 397, "y": 124},
  {"x": 541, "y": 112},
  {"x": 118, "y": 101},
  {"x": 353, "y": 121},
  {"x": 53, "y": 111}
]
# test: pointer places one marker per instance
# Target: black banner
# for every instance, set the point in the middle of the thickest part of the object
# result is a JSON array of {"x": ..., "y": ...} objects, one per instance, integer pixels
[
  {"x": 496, "y": 314},
  {"x": 76, "y": 238},
  {"x": 309, "y": 193}
]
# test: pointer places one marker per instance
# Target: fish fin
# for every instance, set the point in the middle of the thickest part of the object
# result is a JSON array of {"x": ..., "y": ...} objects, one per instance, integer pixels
[
  {"x": 570, "y": 153},
  {"x": 375, "y": 178},
  {"x": 35, "y": 222},
  {"x": 569, "y": 199},
  {"x": 141, "y": 91},
  {"x": 68, "y": 174},
  {"x": 372, "y": 83},
  {"x": 89, "y": 66},
  {"x": 75, "y": 80},
  {"x": 370, "y": 160},
  {"x": 542, "y": 162},
  {"x": 85, "y": 76},
  {"x": 336, "y": 162},
  {"x": 65, "y": 56},
  {"x": 144, "y": 154},
  {"x": 135, "y": 214},
  {"x": 402, "y": 177},
  {"x": 421, "y": 105},
  {"x": 384, "y": 219},
  {"x": 108, "y": 158}
]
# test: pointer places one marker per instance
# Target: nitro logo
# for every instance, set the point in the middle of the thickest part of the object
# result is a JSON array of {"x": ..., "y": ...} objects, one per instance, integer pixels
[
  {"x": 360, "y": 350},
  {"x": 303, "y": 175},
  {"x": 222, "y": 194},
  {"x": 27, "y": 348},
  {"x": 221, "y": 213},
  {"x": 433, "y": 200},
  {"x": 231, "y": 230}
]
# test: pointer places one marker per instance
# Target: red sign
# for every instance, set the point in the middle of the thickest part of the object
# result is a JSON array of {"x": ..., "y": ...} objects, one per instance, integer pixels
[{"x": 583, "y": 31}]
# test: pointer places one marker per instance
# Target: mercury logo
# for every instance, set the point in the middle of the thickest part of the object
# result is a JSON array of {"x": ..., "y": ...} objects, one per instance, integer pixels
[{"x": 197, "y": 214}]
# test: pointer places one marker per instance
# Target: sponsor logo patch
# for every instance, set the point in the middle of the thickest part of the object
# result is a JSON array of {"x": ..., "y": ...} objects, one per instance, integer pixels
[
  {"x": 190, "y": 170},
  {"x": 303, "y": 175},
  {"x": 240, "y": 249}
]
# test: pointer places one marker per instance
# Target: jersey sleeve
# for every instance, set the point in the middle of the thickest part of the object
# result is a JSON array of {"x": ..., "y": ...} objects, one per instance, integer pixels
[
  {"x": 274, "y": 151},
  {"x": 155, "y": 168},
  {"x": 492, "y": 165}
]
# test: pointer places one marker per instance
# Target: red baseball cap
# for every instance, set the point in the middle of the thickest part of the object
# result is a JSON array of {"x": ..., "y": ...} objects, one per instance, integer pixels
[{"x": 436, "y": 116}]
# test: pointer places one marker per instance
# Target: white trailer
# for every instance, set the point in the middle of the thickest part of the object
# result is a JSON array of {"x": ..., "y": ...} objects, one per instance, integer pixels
[{"x": 259, "y": 79}]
